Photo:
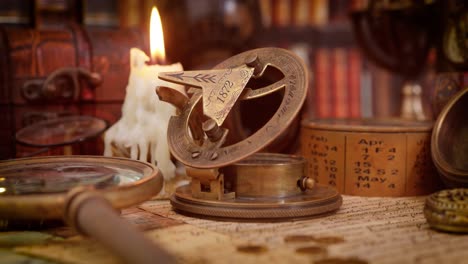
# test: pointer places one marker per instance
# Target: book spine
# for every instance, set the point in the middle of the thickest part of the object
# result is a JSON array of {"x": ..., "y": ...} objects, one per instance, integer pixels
[
  {"x": 366, "y": 91},
  {"x": 356, "y": 5},
  {"x": 318, "y": 12},
  {"x": 339, "y": 83},
  {"x": 300, "y": 12},
  {"x": 322, "y": 83},
  {"x": 354, "y": 83},
  {"x": 381, "y": 85},
  {"x": 281, "y": 13},
  {"x": 104, "y": 13},
  {"x": 129, "y": 13},
  {"x": 266, "y": 11},
  {"x": 338, "y": 10},
  {"x": 16, "y": 12}
]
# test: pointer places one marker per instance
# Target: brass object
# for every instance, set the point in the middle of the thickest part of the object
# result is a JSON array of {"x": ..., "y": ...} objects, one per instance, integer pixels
[
  {"x": 212, "y": 153},
  {"x": 230, "y": 180},
  {"x": 208, "y": 184},
  {"x": 446, "y": 86},
  {"x": 62, "y": 84},
  {"x": 61, "y": 131},
  {"x": 262, "y": 187},
  {"x": 449, "y": 146},
  {"x": 321, "y": 200},
  {"x": 84, "y": 191},
  {"x": 220, "y": 88},
  {"x": 447, "y": 210},
  {"x": 41, "y": 179},
  {"x": 84, "y": 206},
  {"x": 268, "y": 175},
  {"x": 370, "y": 157}
]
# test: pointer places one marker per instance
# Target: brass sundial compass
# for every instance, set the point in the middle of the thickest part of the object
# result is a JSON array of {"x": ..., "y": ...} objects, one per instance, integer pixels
[{"x": 230, "y": 179}]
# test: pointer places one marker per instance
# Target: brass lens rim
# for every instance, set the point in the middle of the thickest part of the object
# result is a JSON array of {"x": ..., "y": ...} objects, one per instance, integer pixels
[
  {"x": 51, "y": 206},
  {"x": 448, "y": 171}
]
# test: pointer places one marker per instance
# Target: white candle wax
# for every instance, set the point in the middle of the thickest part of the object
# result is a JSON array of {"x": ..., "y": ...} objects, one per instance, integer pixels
[{"x": 143, "y": 125}]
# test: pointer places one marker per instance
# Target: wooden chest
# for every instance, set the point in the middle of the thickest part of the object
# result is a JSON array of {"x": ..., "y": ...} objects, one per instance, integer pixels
[{"x": 73, "y": 54}]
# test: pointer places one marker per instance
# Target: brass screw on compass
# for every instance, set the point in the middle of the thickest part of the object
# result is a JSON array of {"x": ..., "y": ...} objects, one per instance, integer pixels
[
  {"x": 212, "y": 130},
  {"x": 253, "y": 61},
  {"x": 306, "y": 183}
]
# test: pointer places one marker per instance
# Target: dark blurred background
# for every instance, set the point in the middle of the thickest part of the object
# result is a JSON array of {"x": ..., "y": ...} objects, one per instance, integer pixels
[{"x": 41, "y": 37}]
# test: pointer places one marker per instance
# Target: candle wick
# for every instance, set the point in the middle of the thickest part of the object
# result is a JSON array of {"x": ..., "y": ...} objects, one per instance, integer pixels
[
  {"x": 157, "y": 60},
  {"x": 161, "y": 61}
]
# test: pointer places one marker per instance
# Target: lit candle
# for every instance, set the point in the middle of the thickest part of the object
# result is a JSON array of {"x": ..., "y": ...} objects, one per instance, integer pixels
[{"x": 141, "y": 133}]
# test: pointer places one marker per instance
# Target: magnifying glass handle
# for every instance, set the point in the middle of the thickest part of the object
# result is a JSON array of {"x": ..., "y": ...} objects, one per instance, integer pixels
[{"x": 92, "y": 215}]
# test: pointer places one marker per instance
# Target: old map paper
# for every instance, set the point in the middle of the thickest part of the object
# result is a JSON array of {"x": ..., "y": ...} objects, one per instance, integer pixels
[{"x": 364, "y": 230}]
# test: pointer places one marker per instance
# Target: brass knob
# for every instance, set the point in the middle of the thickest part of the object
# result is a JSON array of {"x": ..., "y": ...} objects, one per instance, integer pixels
[
  {"x": 212, "y": 130},
  {"x": 253, "y": 62},
  {"x": 306, "y": 183},
  {"x": 172, "y": 96}
]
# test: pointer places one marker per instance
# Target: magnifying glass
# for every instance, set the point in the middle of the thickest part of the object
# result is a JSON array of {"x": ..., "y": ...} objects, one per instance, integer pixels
[{"x": 84, "y": 191}]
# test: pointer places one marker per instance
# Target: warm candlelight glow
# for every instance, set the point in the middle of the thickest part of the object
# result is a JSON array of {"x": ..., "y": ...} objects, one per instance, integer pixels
[
  {"x": 158, "y": 53},
  {"x": 141, "y": 132}
]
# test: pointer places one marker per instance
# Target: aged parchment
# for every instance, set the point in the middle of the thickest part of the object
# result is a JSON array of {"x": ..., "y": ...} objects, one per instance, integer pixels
[{"x": 372, "y": 230}]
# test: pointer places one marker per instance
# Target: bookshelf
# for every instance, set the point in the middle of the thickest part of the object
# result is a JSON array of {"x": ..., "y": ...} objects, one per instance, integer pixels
[
  {"x": 202, "y": 33},
  {"x": 344, "y": 83},
  {"x": 340, "y": 83},
  {"x": 333, "y": 35}
]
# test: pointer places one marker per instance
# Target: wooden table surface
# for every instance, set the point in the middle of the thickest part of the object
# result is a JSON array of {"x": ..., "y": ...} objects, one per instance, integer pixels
[{"x": 364, "y": 230}]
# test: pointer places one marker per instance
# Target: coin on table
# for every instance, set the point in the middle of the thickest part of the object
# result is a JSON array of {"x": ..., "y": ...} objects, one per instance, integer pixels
[{"x": 447, "y": 210}]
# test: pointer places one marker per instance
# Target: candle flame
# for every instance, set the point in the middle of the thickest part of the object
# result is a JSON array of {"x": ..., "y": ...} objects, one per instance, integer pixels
[{"x": 156, "y": 37}]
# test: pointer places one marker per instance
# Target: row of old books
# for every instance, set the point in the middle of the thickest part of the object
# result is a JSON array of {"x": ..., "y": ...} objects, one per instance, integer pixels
[
  {"x": 102, "y": 13},
  {"x": 303, "y": 13},
  {"x": 345, "y": 84}
]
